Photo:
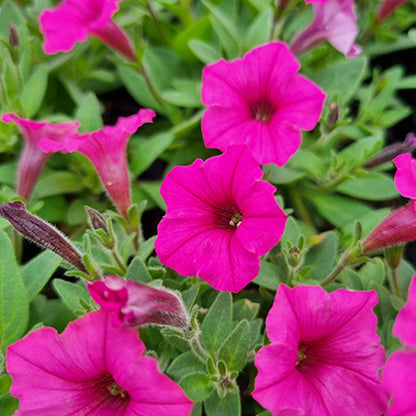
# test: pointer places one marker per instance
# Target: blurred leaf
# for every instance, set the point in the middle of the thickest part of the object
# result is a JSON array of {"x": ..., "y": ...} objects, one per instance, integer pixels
[
  {"x": 137, "y": 271},
  {"x": 34, "y": 90},
  {"x": 14, "y": 306},
  {"x": 373, "y": 272},
  {"x": 184, "y": 364},
  {"x": 259, "y": 30},
  {"x": 372, "y": 187},
  {"x": 197, "y": 386},
  {"x": 229, "y": 405},
  {"x": 89, "y": 113},
  {"x": 281, "y": 175},
  {"x": 204, "y": 51},
  {"x": 269, "y": 276},
  {"x": 37, "y": 272},
  {"x": 245, "y": 309},
  {"x": 217, "y": 324},
  {"x": 186, "y": 93},
  {"x": 56, "y": 183},
  {"x": 357, "y": 153},
  {"x": 74, "y": 295}
]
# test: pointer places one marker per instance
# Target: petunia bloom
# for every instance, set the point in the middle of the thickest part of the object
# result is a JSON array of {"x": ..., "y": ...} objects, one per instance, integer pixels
[
  {"x": 62, "y": 137},
  {"x": 324, "y": 355},
  {"x": 106, "y": 149},
  {"x": 92, "y": 368},
  {"x": 221, "y": 217},
  {"x": 333, "y": 21},
  {"x": 73, "y": 20},
  {"x": 387, "y": 8},
  {"x": 134, "y": 304},
  {"x": 261, "y": 101},
  {"x": 399, "y": 373},
  {"x": 405, "y": 177}
]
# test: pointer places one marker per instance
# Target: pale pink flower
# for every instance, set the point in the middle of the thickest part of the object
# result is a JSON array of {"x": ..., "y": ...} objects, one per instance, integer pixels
[
  {"x": 405, "y": 177},
  {"x": 334, "y": 21},
  {"x": 399, "y": 373},
  {"x": 261, "y": 101},
  {"x": 106, "y": 149},
  {"x": 324, "y": 355},
  {"x": 135, "y": 304},
  {"x": 74, "y": 20},
  {"x": 62, "y": 137},
  {"x": 387, "y": 8},
  {"x": 92, "y": 368},
  {"x": 221, "y": 217}
]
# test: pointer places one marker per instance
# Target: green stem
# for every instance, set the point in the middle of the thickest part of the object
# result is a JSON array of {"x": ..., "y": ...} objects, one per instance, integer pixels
[
  {"x": 395, "y": 283},
  {"x": 344, "y": 261},
  {"x": 197, "y": 347},
  {"x": 119, "y": 260},
  {"x": 158, "y": 26},
  {"x": 301, "y": 208}
]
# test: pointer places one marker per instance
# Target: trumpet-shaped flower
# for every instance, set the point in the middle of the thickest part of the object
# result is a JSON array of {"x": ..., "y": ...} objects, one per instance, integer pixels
[
  {"x": 324, "y": 355},
  {"x": 221, "y": 217},
  {"x": 73, "y": 20},
  {"x": 333, "y": 21},
  {"x": 134, "y": 304},
  {"x": 387, "y": 8},
  {"x": 260, "y": 101},
  {"x": 106, "y": 149},
  {"x": 61, "y": 137},
  {"x": 92, "y": 368},
  {"x": 405, "y": 177},
  {"x": 399, "y": 373}
]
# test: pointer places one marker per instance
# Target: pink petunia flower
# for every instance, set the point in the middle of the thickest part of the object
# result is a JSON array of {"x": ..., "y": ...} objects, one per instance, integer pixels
[
  {"x": 106, "y": 149},
  {"x": 387, "y": 8},
  {"x": 74, "y": 20},
  {"x": 399, "y": 373},
  {"x": 92, "y": 368},
  {"x": 134, "y": 304},
  {"x": 261, "y": 101},
  {"x": 221, "y": 217},
  {"x": 405, "y": 177},
  {"x": 61, "y": 137},
  {"x": 324, "y": 355},
  {"x": 333, "y": 21}
]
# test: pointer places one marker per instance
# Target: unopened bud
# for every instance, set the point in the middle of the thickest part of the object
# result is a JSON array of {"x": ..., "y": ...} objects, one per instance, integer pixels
[
  {"x": 96, "y": 220},
  {"x": 135, "y": 304},
  {"x": 399, "y": 227},
  {"x": 13, "y": 36},
  {"x": 333, "y": 114},
  {"x": 41, "y": 233}
]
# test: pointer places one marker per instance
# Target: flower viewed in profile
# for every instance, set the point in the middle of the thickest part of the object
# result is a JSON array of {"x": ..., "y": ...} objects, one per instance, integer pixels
[
  {"x": 261, "y": 101},
  {"x": 135, "y": 304},
  {"x": 73, "y": 20},
  {"x": 333, "y": 21},
  {"x": 399, "y": 373},
  {"x": 92, "y": 368},
  {"x": 61, "y": 137},
  {"x": 221, "y": 217},
  {"x": 106, "y": 149},
  {"x": 324, "y": 355}
]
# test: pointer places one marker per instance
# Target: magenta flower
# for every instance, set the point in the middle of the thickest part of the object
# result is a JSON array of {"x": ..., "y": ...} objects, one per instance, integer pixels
[
  {"x": 106, "y": 149},
  {"x": 93, "y": 369},
  {"x": 220, "y": 219},
  {"x": 261, "y": 101},
  {"x": 333, "y": 21},
  {"x": 134, "y": 304},
  {"x": 324, "y": 355},
  {"x": 316, "y": 1},
  {"x": 387, "y": 8},
  {"x": 74, "y": 20},
  {"x": 399, "y": 373},
  {"x": 405, "y": 177},
  {"x": 61, "y": 137}
]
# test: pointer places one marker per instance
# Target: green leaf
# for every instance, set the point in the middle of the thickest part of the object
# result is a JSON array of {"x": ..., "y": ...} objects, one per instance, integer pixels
[
  {"x": 235, "y": 348},
  {"x": 37, "y": 272},
  {"x": 14, "y": 307},
  {"x": 184, "y": 365},
  {"x": 137, "y": 271},
  {"x": 145, "y": 151},
  {"x": 259, "y": 30},
  {"x": 373, "y": 272},
  {"x": 322, "y": 257},
  {"x": 372, "y": 187},
  {"x": 89, "y": 113},
  {"x": 57, "y": 183},
  {"x": 229, "y": 405},
  {"x": 34, "y": 90},
  {"x": 269, "y": 276},
  {"x": 245, "y": 309},
  {"x": 8, "y": 405},
  {"x": 146, "y": 248},
  {"x": 342, "y": 78},
  {"x": 197, "y": 386},
  {"x": 5, "y": 384},
  {"x": 75, "y": 296},
  {"x": 339, "y": 210},
  {"x": 217, "y": 323},
  {"x": 281, "y": 175},
  {"x": 187, "y": 93},
  {"x": 204, "y": 51}
]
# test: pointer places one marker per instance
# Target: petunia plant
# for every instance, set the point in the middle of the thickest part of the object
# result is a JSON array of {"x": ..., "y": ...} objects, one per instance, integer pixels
[{"x": 207, "y": 208}]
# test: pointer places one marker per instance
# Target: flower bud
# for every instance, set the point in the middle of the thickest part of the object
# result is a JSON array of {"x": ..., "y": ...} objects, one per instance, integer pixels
[
  {"x": 387, "y": 8},
  {"x": 96, "y": 220},
  {"x": 41, "y": 233},
  {"x": 333, "y": 114},
  {"x": 398, "y": 227},
  {"x": 135, "y": 304},
  {"x": 13, "y": 36}
]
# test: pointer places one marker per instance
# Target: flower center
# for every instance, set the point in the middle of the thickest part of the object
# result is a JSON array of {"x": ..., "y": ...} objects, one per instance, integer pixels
[
  {"x": 115, "y": 390},
  {"x": 236, "y": 219},
  {"x": 262, "y": 111},
  {"x": 229, "y": 217},
  {"x": 309, "y": 356}
]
